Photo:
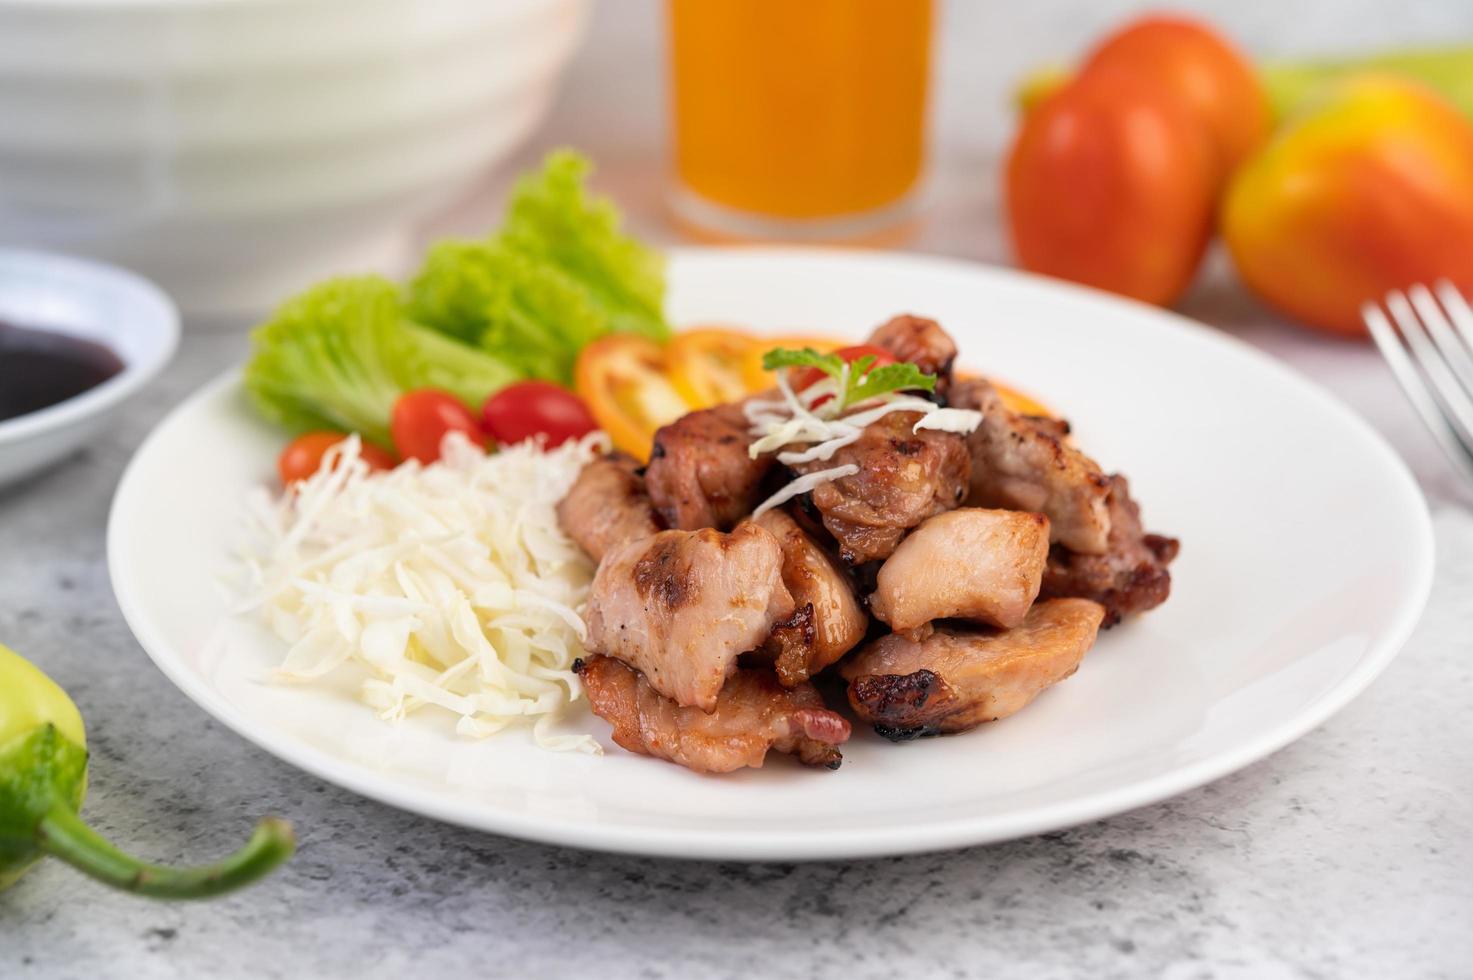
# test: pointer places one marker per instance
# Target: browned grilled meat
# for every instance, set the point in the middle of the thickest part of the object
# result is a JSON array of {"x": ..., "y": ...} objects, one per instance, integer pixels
[
  {"x": 1024, "y": 463},
  {"x": 904, "y": 477},
  {"x": 1130, "y": 577},
  {"x": 975, "y": 564},
  {"x": 752, "y": 715},
  {"x": 957, "y": 679},
  {"x": 920, "y": 341},
  {"x": 681, "y": 606},
  {"x": 827, "y": 620},
  {"x": 700, "y": 474},
  {"x": 607, "y": 506}
]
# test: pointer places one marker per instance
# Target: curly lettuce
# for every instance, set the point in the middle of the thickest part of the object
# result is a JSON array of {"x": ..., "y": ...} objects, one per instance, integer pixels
[
  {"x": 338, "y": 355},
  {"x": 557, "y": 275}
]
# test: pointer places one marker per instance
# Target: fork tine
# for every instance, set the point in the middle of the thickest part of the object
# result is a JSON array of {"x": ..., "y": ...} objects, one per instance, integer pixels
[
  {"x": 1454, "y": 351},
  {"x": 1457, "y": 407},
  {"x": 1415, "y": 388},
  {"x": 1457, "y": 308}
]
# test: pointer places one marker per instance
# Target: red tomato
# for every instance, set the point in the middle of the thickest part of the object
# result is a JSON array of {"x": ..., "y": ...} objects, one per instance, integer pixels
[
  {"x": 1111, "y": 183},
  {"x": 1200, "y": 67},
  {"x": 811, "y": 376},
  {"x": 530, "y": 408},
  {"x": 423, "y": 418},
  {"x": 1370, "y": 191},
  {"x": 303, "y": 455}
]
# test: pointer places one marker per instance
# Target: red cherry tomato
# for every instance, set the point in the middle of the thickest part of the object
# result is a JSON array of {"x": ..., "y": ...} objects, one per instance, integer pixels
[
  {"x": 530, "y": 408},
  {"x": 303, "y": 455},
  {"x": 811, "y": 376},
  {"x": 423, "y": 418}
]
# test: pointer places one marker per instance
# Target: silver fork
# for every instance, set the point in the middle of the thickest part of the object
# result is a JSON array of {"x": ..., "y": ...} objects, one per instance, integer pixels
[{"x": 1430, "y": 351}]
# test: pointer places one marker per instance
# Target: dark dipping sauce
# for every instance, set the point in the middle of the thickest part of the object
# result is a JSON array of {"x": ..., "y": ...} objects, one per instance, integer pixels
[{"x": 41, "y": 368}]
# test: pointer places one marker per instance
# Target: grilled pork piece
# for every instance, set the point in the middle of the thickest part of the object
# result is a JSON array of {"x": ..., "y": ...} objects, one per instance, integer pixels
[
  {"x": 607, "y": 506},
  {"x": 753, "y": 714},
  {"x": 920, "y": 341},
  {"x": 957, "y": 679},
  {"x": 1130, "y": 577},
  {"x": 700, "y": 474},
  {"x": 827, "y": 620},
  {"x": 1024, "y": 463},
  {"x": 973, "y": 564},
  {"x": 904, "y": 477},
  {"x": 681, "y": 606}
]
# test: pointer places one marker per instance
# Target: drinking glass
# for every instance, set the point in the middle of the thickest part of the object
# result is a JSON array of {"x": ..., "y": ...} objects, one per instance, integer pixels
[{"x": 798, "y": 118}]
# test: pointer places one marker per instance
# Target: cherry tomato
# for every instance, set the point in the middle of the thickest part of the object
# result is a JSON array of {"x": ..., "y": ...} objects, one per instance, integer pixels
[
  {"x": 302, "y": 457},
  {"x": 622, "y": 380},
  {"x": 1201, "y": 68},
  {"x": 705, "y": 365},
  {"x": 810, "y": 376},
  {"x": 423, "y": 418},
  {"x": 530, "y": 408}
]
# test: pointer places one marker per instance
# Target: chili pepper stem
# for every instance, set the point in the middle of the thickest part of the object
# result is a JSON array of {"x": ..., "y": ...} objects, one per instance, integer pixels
[{"x": 61, "y": 833}]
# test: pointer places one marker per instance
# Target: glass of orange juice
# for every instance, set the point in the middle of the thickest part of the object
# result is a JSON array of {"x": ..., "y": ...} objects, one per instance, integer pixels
[{"x": 798, "y": 118}]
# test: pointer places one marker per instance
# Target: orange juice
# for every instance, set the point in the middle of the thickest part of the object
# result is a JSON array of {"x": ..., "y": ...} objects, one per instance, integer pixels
[{"x": 799, "y": 109}]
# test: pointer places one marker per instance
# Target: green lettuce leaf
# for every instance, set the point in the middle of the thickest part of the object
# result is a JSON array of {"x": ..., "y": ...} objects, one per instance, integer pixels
[
  {"x": 558, "y": 275},
  {"x": 552, "y": 219},
  {"x": 528, "y": 314},
  {"x": 338, "y": 355}
]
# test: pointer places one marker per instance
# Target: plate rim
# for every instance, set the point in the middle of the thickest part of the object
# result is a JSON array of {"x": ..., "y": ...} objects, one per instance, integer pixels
[{"x": 833, "y": 843}]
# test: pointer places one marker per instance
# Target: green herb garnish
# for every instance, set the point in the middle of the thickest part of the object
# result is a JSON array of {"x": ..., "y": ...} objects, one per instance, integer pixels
[{"x": 863, "y": 383}]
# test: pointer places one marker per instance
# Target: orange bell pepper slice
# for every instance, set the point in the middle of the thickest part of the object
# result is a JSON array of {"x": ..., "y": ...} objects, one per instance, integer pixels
[
  {"x": 622, "y": 379},
  {"x": 1014, "y": 398},
  {"x": 707, "y": 365},
  {"x": 1021, "y": 402}
]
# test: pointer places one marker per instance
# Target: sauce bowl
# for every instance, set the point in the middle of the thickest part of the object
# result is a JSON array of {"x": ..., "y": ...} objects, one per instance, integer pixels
[{"x": 91, "y": 301}]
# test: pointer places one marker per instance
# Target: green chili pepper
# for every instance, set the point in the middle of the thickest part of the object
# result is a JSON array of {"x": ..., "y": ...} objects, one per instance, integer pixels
[{"x": 43, "y": 777}]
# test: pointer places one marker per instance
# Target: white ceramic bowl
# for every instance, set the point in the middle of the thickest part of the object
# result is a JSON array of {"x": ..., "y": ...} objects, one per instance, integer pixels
[
  {"x": 235, "y": 150},
  {"x": 95, "y": 302}
]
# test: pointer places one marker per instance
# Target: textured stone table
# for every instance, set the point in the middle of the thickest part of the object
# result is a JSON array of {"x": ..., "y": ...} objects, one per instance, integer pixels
[{"x": 1347, "y": 854}]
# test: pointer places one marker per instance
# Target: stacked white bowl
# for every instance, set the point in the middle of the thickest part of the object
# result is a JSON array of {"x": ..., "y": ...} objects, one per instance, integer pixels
[{"x": 235, "y": 150}]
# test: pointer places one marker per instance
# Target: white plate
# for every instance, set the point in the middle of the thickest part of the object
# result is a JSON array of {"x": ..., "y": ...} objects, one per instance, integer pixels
[{"x": 1306, "y": 559}]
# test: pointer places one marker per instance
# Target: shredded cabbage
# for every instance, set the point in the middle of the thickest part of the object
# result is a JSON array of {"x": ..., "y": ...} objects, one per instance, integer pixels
[
  {"x": 813, "y": 418},
  {"x": 449, "y": 585},
  {"x": 803, "y": 484}
]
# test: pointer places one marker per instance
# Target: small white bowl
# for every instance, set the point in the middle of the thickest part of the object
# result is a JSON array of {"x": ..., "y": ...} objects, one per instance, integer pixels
[{"x": 92, "y": 301}]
